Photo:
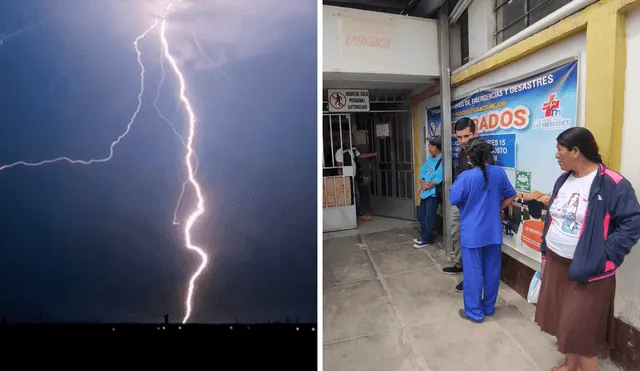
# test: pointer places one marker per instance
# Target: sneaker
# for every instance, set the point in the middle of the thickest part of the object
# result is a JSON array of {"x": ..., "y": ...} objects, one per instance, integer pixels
[
  {"x": 456, "y": 269},
  {"x": 419, "y": 245},
  {"x": 365, "y": 218},
  {"x": 459, "y": 287},
  {"x": 417, "y": 241}
]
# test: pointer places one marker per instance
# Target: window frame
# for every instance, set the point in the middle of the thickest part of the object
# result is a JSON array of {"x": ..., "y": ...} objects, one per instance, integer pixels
[{"x": 500, "y": 27}]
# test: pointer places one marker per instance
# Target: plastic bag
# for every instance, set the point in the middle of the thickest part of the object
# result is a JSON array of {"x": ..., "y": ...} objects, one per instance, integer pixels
[{"x": 534, "y": 288}]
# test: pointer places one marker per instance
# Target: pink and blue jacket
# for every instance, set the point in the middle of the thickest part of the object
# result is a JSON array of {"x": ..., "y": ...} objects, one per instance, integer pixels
[{"x": 610, "y": 229}]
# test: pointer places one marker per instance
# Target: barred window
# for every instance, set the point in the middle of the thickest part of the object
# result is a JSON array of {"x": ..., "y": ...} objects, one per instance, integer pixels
[{"x": 513, "y": 16}]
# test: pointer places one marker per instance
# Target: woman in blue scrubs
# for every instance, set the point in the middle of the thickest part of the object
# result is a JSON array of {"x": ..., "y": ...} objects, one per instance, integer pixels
[{"x": 481, "y": 193}]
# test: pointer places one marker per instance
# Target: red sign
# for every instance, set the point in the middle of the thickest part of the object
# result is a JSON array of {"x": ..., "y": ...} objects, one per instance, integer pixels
[{"x": 532, "y": 234}]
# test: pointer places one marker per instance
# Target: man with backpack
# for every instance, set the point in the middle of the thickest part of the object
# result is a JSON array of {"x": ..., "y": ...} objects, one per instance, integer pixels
[{"x": 430, "y": 180}]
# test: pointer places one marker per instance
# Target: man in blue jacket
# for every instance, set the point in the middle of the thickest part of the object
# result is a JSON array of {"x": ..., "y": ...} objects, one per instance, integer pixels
[{"x": 430, "y": 178}]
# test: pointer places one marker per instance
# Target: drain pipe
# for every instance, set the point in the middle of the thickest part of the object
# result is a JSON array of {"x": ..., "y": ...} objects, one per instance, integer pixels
[
  {"x": 567, "y": 10},
  {"x": 445, "y": 122}
]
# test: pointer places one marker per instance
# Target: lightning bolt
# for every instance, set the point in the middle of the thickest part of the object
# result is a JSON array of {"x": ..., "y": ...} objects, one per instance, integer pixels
[
  {"x": 220, "y": 71},
  {"x": 115, "y": 142},
  {"x": 175, "y": 131},
  {"x": 5, "y": 37},
  {"x": 190, "y": 157},
  {"x": 191, "y": 172}
]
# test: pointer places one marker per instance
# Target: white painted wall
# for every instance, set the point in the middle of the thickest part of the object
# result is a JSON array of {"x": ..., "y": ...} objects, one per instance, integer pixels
[
  {"x": 628, "y": 290},
  {"x": 576, "y": 45},
  {"x": 405, "y": 45},
  {"x": 455, "y": 47},
  {"x": 482, "y": 25}
]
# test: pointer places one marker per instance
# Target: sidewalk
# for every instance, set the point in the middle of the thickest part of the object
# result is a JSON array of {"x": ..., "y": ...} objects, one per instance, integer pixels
[{"x": 389, "y": 307}]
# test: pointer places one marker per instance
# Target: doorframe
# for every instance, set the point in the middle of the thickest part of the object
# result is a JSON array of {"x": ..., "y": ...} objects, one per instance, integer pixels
[
  {"x": 343, "y": 217},
  {"x": 407, "y": 210},
  {"x": 389, "y": 101}
]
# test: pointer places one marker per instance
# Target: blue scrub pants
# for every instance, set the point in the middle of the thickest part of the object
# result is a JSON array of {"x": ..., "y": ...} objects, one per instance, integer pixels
[{"x": 481, "y": 273}]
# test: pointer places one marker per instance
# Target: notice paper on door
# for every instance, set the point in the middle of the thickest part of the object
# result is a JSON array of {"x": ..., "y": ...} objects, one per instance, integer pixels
[{"x": 383, "y": 130}]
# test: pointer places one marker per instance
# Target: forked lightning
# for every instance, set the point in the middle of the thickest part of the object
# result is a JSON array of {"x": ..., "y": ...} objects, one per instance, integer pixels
[{"x": 190, "y": 159}]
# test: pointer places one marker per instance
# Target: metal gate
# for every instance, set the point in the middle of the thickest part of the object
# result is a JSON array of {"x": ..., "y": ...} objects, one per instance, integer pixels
[
  {"x": 392, "y": 190},
  {"x": 338, "y": 202}
]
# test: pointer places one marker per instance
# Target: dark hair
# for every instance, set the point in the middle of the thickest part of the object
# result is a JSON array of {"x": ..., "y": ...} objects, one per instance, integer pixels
[
  {"x": 582, "y": 139},
  {"x": 464, "y": 123},
  {"x": 438, "y": 145},
  {"x": 479, "y": 152},
  {"x": 347, "y": 139}
]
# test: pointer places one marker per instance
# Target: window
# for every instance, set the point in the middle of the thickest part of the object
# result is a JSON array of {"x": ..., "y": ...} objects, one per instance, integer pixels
[
  {"x": 513, "y": 16},
  {"x": 464, "y": 37}
]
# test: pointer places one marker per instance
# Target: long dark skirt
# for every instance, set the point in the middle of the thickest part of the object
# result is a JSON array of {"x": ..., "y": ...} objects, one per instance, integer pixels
[{"x": 580, "y": 316}]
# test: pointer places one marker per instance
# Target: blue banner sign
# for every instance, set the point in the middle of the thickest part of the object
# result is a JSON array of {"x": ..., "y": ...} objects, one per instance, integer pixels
[
  {"x": 522, "y": 120},
  {"x": 504, "y": 149}
]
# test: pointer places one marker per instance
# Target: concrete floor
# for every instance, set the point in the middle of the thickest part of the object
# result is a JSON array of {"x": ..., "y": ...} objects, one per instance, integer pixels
[
  {"x": 388, "y": 306},
  {"x": 378, "y": 224}
]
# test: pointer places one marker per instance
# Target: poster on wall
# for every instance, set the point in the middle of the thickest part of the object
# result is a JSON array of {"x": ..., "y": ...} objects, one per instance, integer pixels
[{"x": 522, "y": 120}]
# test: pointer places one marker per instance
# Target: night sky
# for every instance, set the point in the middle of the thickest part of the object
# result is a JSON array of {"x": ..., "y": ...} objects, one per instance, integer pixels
[{"x": 96, "y": 243}]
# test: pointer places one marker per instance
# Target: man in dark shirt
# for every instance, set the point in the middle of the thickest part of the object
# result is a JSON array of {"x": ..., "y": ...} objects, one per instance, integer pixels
[{"x": 465, "y": 129}]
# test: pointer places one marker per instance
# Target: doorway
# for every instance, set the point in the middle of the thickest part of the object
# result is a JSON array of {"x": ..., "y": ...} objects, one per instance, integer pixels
[
  {"x": 391, "y": 189},
  {"x": 338, "y": 185},
  {"x": 385, "y": 182}
]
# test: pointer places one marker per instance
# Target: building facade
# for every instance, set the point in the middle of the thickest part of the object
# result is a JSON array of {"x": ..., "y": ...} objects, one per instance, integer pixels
[{"x": 524, "y": 70}]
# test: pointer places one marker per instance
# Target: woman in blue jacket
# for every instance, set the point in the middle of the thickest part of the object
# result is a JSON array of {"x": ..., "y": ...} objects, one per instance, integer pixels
[
  {"x": 481, "y": 193},
  {"x": 593, "y": 221}
]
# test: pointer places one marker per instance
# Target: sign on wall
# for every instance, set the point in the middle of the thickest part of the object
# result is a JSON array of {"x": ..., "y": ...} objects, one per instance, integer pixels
[
  {"x": 344, "y": 100},
  {"x": 523, "y": 181},
  {"x": 361, "y": 38},
  {"x": 504, "y": 149},
  {"x": 522, "y": 120}
]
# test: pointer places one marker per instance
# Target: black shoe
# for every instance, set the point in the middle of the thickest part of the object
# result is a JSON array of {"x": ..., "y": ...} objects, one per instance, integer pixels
[
  {"x": 456, "y": 269},
  {"x": 459, "y": 287},
  {"x": 463, "y": 315}
]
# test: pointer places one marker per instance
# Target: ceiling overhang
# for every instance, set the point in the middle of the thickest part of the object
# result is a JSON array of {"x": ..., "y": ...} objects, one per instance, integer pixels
[{"x": 415, "y": 8}]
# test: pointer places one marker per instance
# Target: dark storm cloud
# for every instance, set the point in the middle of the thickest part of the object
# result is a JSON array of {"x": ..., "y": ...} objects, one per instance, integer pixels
[{"x": 96, "y": 243}]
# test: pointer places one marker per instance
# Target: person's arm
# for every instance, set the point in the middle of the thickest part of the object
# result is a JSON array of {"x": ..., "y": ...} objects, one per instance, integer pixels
[
  {"x": 625, "y": 210},
  {"x": 506, "y": 202},
  {"x": 507, "y": 191},
  {"x": 338, "y": 158},
  {"x": 458, "y": 192},
  {"x": 423, "y": 185},
  {"x": 547, "y": 222},
  {"x": 437, "y": 177}
]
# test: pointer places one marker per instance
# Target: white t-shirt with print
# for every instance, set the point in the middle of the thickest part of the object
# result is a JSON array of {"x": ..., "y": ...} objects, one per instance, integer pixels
[
  {"x": 568, "y": 212},
  {"x": 340, "y": 158}
]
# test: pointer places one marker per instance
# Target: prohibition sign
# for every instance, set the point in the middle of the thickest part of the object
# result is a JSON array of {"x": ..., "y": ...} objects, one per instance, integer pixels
[{"x": 337, "y": 100}]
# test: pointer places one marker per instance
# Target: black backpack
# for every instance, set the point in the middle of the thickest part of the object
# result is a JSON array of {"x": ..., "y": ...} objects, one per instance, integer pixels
[
  {"x": 348, "y": 161},
  {"x": 346, "y": 158},
  {"x": 439, "y": 186}
]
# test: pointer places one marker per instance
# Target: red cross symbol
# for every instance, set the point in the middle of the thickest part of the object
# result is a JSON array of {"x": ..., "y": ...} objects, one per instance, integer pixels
[{"x": 549, "y": 106}]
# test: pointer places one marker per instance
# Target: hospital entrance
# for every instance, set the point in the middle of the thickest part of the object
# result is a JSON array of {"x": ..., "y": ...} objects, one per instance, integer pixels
[{"x": 368, "y": 122}]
